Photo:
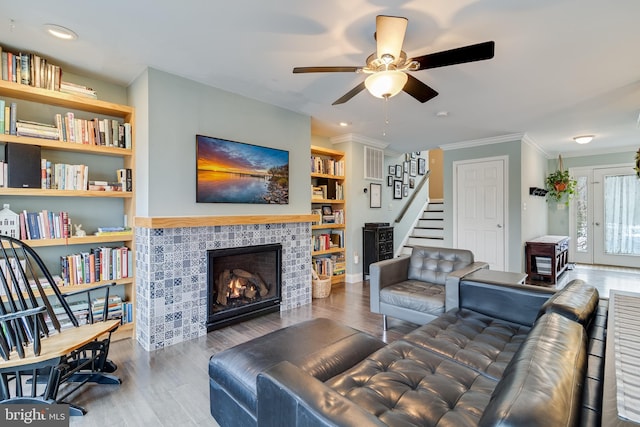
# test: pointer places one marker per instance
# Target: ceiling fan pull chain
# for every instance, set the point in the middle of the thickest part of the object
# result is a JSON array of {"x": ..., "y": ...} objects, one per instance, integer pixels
[{"x": 386, "y": 116}]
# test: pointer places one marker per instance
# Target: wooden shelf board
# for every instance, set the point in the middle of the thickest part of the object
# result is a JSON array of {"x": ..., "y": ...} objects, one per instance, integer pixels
[
  {"x": 64, "y": 193},
  {"x": 328, "y": 201},
  {"x": 203, "y": 221},
  {"x": 39, "y": 243},
  {"x": 315, "y": 149},
  {"x": 324, "y": 226},
  {"x": 328, "y": 251},
  {"x": 324, "y": 175},
  {"x": 60, "y": 99},
  {"x": 68, "y": 146}
]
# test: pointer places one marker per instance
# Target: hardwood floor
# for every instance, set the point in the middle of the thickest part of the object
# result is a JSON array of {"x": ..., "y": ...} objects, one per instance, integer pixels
[{"x": 170, "y": 387}]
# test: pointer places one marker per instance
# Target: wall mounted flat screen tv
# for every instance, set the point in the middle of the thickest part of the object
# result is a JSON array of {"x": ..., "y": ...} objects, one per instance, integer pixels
[{"x": 236, "y": 172}]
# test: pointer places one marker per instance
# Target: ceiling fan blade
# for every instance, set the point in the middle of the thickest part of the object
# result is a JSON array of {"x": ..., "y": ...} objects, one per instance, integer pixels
[
  {"x": 326, "y": 69},
  {"x": 419, "y": 90},
  {"x": 347, "y": 96},
  {"x": 471, "y": 53},
  {"x": 390, "y": 32}
]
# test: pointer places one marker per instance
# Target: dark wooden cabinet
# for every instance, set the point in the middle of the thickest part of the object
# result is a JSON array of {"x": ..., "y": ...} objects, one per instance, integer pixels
[
  {"x": 377, "y": 244},
  {"x": 547, "y": 257}
]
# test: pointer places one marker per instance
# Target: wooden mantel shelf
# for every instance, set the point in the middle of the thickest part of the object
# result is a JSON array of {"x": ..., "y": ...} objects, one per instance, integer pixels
[{"x": 204, "y": 221}]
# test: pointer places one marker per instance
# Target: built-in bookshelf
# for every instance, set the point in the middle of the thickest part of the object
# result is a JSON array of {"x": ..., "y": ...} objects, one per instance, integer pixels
[
  {"x": 328, "y": 203},
  {"x": 108, "y": 161}
]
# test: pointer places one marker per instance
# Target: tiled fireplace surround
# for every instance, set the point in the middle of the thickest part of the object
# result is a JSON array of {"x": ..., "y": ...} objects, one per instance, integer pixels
[{"x": 171, "y": 268}]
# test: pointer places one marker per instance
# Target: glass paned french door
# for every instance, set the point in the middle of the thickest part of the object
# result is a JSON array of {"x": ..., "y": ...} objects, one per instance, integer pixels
[{"x": 605, "y": 216}]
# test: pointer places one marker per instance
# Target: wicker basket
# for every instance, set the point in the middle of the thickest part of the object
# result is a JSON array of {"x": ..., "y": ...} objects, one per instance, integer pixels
[{"x": 321, "y": 288}]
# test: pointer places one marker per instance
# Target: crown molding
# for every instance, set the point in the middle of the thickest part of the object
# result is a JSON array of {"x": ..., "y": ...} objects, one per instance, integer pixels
[
  {"x": 483, "y": 141},
  {"x": 597, "y": 152},
  {"x": 353, "y": 137},
  {"x": 530, "y": 141}
]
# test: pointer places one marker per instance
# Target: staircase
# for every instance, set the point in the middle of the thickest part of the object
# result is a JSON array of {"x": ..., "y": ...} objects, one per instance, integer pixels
[{"x": 429, "y": 230}]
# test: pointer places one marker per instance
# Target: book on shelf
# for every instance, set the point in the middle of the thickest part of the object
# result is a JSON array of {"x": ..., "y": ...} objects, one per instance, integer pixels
[
  {"x": 44, "y": 225},
  {"x": 96, "y": 265},
  {"x": 62, "y": 176},
  {"x": 30, "y": 69},
  {"x": 76, "y": 89},
  {"x": 327, "y": 166},
  {"x": 125, "y": 178}
]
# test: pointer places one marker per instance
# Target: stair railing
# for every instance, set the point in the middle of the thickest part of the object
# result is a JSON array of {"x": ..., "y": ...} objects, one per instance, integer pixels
[{"x": 406, "y": 206}]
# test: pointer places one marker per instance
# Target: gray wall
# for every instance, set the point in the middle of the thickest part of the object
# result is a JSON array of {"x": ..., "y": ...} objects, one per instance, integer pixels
[
  {"x": 513, "y": 150},
  {"x": 176, "y": 110},
  {"x": 558, "y": 213},
  {"x": 534, "y": 208}
]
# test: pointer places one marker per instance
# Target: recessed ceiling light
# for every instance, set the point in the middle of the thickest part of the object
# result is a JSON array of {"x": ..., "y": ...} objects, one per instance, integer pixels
[
  {"x": 344, "y": 124},
  {"x": 583, "y": 139},
  {"x": 60, "y": 32},
  {"x": 442, "y": 114}
]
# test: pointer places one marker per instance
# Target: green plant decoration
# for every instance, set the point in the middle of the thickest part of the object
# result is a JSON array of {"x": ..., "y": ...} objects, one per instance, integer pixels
[
  {"x": 637, "y": 166},
  {"x": 559, "y": 184}
]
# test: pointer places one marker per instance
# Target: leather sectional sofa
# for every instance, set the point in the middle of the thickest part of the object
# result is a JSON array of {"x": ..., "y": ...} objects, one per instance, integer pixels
[{"x": 507, "y": 356}]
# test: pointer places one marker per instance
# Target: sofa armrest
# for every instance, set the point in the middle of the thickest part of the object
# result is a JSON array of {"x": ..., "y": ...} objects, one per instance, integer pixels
[
  {"x": 288, "y": 396},
  {"x": 385, "y": 273},
  {"x": 452, "y": 291}
]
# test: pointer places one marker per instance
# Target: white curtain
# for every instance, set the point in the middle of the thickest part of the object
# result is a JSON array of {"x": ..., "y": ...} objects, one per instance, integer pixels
[{"x": 622, "y": 215}]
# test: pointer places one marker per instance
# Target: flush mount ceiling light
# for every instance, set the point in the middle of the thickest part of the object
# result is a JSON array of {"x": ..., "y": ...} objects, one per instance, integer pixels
[
  {"x": 583, "y": 139},
  {"x": 386, "y": 84},
  {"x": 60, "y": 32}
]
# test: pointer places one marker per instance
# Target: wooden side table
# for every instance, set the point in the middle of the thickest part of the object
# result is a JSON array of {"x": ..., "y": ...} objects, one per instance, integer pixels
[{"x": 553, "y": 248}]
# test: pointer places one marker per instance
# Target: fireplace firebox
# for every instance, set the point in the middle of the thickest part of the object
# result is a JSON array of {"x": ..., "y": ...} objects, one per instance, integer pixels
[{"x": 242, "y": 282}]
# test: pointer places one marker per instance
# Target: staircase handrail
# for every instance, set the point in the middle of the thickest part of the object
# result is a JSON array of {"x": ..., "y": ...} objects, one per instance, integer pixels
[{"x": 404, "y": 209}]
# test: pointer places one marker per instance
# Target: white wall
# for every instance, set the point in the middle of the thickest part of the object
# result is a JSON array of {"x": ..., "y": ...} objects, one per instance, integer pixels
[{"x": 178, "y": 109}]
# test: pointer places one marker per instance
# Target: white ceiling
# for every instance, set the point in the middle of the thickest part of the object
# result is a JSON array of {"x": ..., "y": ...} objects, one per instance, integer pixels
[{"x": 561, "y": 68}]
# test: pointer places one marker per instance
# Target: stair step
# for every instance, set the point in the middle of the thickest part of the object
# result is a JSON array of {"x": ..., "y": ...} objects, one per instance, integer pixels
[
  {"x": 431, "y": 223},
  {"x": 433, "y": 207},
  {"x": 436, "y": 233},
  {"x": 425, "y": 241},
  {"x": 433, "y": 215}
]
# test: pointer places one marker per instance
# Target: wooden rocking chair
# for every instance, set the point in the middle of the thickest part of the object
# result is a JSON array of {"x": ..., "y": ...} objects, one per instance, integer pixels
[{"x": 46, "y": 347}]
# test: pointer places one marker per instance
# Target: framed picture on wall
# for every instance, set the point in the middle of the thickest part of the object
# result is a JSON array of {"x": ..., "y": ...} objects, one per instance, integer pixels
[
  {"x": 405, "y": 190},
  {"x": 405, "y": 178},
  {"x": 422, "y": 166},
  {"x": 397, "y": 189},
  {"x": 390, "y": 181},
  {"x": 412, "y": 182},
  {"x": 392, "y": 170},
  {"x": 413, "y": 167},
  {"x": 398, "y": 171},
  {"x": 375, "y": 195},
  {"x": 405, "y": 166}
]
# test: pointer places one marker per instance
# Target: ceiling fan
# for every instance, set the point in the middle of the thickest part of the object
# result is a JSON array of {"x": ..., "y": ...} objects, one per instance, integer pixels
[{"x": 388, "y": 67}]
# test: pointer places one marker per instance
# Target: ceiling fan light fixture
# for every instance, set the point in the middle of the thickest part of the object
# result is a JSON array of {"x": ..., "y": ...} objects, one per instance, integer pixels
[
  {"x": 583, "y": 139},
  {"x": 386, "y": 84}
]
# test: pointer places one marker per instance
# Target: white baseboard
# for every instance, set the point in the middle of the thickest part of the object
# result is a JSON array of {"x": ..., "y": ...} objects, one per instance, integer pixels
[{"x": 353, "y": 278}]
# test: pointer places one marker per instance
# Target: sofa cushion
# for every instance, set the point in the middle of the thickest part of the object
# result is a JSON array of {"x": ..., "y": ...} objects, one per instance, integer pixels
[
  {"x": 542, "y": 384},
  {"x": 475, "y": 340},
  {"x": 403, "y": 384},
  {"x": 576, "y": 301},
  {"x": 415, "y": 295},
  {"x": 432, "y": 265}
]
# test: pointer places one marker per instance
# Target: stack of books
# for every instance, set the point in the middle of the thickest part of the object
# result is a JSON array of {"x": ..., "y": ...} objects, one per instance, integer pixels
[
  {"x": 75, "y": 89},
  {"x": 114, "y": 307},
  {"x": 36, "y": 130}
]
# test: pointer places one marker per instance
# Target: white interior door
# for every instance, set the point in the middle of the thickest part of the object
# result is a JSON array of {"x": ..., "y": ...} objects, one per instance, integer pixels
[
  {"x": 479, "y": 210},
  {"x": 605, "y": 216}
]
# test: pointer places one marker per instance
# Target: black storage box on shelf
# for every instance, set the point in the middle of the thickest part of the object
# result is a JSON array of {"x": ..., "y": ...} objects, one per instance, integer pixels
[{"x": 23, "y": 165}]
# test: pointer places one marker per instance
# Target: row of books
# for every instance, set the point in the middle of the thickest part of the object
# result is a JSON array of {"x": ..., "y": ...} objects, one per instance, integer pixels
[
  {"x": 98, "y": 264},
  {"x": 67, "y": 128},
  {"x": 44, "y": 225},
  {"x": 117, "y": 308},
  {"x": 332, "y": 265},
  {"x": 30, "y": 69},
  {"x": 105, "y": 132},
  {"x": 326, "y": 241},
  {"x": 62, "y": 176},
  {"x": 335, "y": 217},
  {"x": 327, "y": 166},
  {"x": 323, "y": 191}
]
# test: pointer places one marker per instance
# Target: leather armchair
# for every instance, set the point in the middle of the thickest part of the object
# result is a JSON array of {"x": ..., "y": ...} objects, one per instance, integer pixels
[{"x": 420, "y": 287}]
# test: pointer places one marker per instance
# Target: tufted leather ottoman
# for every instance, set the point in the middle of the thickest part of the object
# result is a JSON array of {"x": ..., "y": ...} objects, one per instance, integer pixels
[{"x": 320, "y": 347}]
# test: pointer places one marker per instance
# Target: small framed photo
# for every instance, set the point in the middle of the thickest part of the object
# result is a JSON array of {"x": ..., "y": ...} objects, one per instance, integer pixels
[
  {"x": 398, "y": 171},
  {"x": 407, "y": 156},
  {"x": 392, "y": 170},
  {"x": 326, "y": 210},
  {"x": 417, "y": 153},
  {"x": 389, "y": 181},
  {"x": 405, "y": 167},
  {"x": 405, "y": 190},
  {"x": 413, "y": 167},
  {"x": 405, "y": 178},
  {"x": 412, "y": 182},
  {"x": 422, "y": 166},
  {"x": 397, "y": 189},
  {"x": 375, "y": 195},
  {"x": 413, "y": 155}
]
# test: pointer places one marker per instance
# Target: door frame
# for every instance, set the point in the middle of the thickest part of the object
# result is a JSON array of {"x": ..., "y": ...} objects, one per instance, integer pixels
[
  {"x": 505, "y": 200},
  {"x": 590, "y": 172}
]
